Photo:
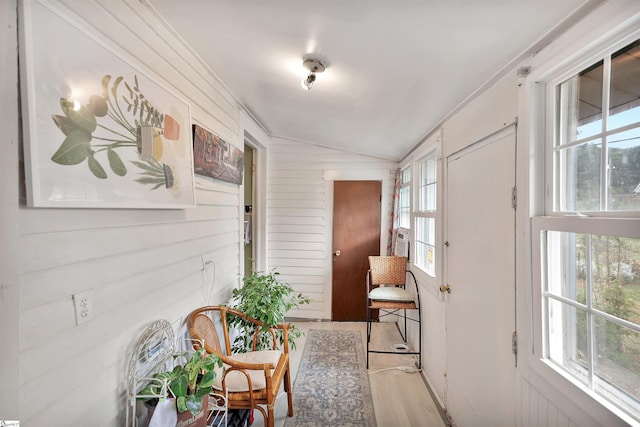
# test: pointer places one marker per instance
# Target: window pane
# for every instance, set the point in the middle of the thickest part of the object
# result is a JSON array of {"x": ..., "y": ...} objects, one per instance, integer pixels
[
  {"x": 568, "y": 345},
  {"x": 405, "y": 176},
  {"x": 624, "y": 171},
  {"x": 566, "y": 265},
  {"x": 580, "y": 105},
  {"x": 624, "y": 104},
  {"x": 428, "y": 198},
  {"x": 425, "y": 244},
  {"x": 617, "y": 367},
  {"x": 580, "y": 177},
  {"x": 427, "y": 190},
  {"x": 615, "y": 272},
  {"x": 404, "y": 207}
]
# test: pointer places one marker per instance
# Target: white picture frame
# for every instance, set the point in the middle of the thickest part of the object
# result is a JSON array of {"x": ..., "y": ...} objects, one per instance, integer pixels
[{"x": 128, "y": 144}]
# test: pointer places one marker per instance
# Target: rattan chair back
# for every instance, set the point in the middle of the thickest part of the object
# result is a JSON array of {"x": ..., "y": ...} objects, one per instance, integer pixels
[
  {"x": 388, "y": 270},
  {"x": 203, "y": 329}
]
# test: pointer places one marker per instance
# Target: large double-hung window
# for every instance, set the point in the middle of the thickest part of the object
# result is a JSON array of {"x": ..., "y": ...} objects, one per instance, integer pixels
[{"x": 589, "y": 235}]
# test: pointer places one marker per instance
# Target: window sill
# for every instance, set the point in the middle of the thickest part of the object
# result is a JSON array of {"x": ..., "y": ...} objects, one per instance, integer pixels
[{"x": 567, "y": 388}]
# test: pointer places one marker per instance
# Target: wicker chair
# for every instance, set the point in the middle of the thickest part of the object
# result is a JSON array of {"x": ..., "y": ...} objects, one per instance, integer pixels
[
  {"x": 251, "y": 379},
  {"x": 386, "y": 292}
]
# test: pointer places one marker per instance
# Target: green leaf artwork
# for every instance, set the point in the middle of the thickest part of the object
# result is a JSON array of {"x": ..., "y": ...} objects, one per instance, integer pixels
[{"x": 122, "y": 118}]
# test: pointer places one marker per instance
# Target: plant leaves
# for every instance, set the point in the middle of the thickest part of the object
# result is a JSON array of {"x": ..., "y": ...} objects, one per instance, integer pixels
[
  {"x": 126, "y": 85},
  {"x": 74, "y": 149},
  {"x": 83, "y": 118},
  {"x": 181, "y": 403},
  {"x": 150, "y": 180},
  {"x": 206, "y": 382},
  {"x": 114, "y": 88},
  {"x": 117, "y": 166},
  {"x": 194, "y": 404},
  {"x": 65, "y": 124},
  {"x": 179, "y": 386},
  {"x": 98, "y": 105},
  {"x": 105, "y": 86},
  {"x": 147, "y": 167},
  {"x": 96, "y": 168}
]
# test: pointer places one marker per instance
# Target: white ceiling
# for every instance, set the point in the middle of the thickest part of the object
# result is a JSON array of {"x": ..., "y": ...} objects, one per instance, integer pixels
[{"x": 395, "y": 68}]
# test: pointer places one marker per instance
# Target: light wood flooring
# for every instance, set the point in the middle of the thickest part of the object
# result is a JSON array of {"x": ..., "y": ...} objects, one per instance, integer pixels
[{"x": 400, "y": 399}]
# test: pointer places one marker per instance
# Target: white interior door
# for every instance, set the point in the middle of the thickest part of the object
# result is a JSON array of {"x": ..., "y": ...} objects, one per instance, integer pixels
[{"x": 480, "y": 270}]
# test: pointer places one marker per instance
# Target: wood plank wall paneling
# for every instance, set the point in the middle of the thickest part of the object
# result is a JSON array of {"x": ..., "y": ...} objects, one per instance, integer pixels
[
  {"x": 142, "y": 264},
  {"x": 9, "y": 212},
  {"x": 299, "y": 220}
]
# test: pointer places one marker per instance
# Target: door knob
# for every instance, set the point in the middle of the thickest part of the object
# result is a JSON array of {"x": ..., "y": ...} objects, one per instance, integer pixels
[
  {"x": 337, "y": 253},
  {"x": 446, "y": 289}
]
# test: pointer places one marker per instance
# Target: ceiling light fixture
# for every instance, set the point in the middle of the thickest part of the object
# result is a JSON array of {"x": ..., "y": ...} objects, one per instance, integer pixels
[{"x": 314, "y": 65}]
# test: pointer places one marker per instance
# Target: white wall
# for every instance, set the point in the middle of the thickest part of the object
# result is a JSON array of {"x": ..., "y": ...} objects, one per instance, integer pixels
[
  {"x": 300, "y": 210},
  {"x": 543, "y": 398},
  {"x": 9, "y": 144},
  {"x": 142, "y": 264},
  {"x": 492, "y": 110}
]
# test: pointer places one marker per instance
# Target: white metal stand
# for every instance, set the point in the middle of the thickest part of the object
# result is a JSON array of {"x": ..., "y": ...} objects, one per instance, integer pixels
[{"x": 153, "y": 353}]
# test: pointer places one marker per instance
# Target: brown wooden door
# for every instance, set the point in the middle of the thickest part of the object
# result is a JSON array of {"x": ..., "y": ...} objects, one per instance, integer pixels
[{"x": 356, "y": 234}]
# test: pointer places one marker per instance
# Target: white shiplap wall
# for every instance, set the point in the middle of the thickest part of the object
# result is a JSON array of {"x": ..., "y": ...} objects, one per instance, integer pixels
[
  {"x": 299, "y": 214},
  {"x": 9, "y": 177},
  {"x": 142, "y": 264}
]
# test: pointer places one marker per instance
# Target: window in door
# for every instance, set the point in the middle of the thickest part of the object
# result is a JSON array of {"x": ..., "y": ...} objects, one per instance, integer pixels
[
  {"x": 425, "y": 214},
  {"x": 590, "y": 236}
]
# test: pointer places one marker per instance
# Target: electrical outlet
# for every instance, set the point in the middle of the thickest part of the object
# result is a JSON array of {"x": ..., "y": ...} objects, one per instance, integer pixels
[{"x": 83, "y": 305}]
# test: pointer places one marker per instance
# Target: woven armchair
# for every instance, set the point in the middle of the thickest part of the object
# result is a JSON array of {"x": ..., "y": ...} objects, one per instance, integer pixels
[{"x": 251, "y": 380}]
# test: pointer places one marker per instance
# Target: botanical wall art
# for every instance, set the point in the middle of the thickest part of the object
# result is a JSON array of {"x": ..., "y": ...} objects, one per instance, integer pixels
[
  {"x": 98, "y": 132},
  {"x": 216, "y": 158}
]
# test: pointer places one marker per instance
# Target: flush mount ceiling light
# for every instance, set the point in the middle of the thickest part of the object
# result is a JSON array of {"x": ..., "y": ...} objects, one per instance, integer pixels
[{"x": 314, "y": 65}]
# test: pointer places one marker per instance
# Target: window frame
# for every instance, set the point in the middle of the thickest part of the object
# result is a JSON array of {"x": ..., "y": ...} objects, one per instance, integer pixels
[
  {"x": 431, "y": 152},
  {"x": 405, "y": 186},
  {"x": 552, "y": 200},
  {"x": 628, "y": 227},
  {"x": 543, "y": 216}
]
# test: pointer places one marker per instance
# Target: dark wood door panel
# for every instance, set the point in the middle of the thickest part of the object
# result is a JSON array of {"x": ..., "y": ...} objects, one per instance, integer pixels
[{"x": 356, "y": 234}]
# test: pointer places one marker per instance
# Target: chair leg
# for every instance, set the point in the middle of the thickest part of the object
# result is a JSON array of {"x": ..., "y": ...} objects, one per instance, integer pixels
[
  {"x": 368, "y": 330},
  {"x": 270, "y": 416},
  {"x": 287, "y": 388},
  {"x": 405, "y": 326},
  {"x": 264, "y": 415},
  {"x": 419, "y": 337}
]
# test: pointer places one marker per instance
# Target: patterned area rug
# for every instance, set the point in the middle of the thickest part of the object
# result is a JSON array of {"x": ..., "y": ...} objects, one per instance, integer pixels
[{"x": 332, "y": 386}]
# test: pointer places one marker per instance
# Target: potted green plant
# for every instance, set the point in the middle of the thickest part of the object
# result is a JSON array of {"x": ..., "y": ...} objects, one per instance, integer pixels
[
  {"x": 266, "y": 298},
  {"x": 189, "y": 383}
]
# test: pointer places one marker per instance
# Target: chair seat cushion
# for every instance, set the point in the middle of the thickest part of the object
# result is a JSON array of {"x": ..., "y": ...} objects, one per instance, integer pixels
[
  {"x": 390, "y": 293},
  {"x": 236, "y": 381}
]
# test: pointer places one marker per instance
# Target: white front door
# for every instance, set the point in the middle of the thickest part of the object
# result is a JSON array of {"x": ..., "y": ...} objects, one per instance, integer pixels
[{"x": 480, "y": 271}]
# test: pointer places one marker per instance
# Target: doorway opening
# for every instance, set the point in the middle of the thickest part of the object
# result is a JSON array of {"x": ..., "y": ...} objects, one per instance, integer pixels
[{"x": 249, "y": 202}]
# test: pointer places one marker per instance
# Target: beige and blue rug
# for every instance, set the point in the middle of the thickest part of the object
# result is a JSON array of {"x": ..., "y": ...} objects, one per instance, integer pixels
[{"x": 332, "y": 386}]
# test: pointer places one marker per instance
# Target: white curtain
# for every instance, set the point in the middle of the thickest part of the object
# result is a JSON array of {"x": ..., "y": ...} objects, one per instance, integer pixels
[{"x": 393, "y": 216}]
